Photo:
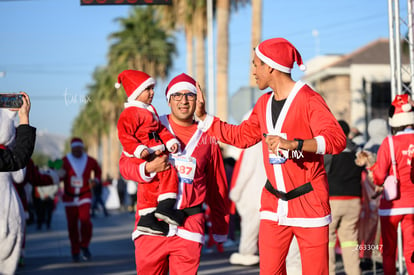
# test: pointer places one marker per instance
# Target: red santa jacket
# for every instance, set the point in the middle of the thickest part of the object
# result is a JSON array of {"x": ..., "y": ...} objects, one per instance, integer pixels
[
  {"x": 304, "y": 115},
  {"x": 78, "y": 172},
  {"x": 135, "y": 124},
  {"x": 209, "y": 183},
  {"x": 404, "y": 152}
]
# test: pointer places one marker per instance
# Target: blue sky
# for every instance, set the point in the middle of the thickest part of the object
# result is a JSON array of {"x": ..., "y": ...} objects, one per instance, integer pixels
[{"x": 49, "y": 48}]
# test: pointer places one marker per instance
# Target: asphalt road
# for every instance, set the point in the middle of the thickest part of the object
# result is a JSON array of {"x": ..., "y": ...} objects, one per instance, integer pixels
[{"x": 47, "y": 251}]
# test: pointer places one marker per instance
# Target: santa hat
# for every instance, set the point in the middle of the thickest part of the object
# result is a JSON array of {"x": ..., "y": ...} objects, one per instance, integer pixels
[
  {"x": 401, "y": 112},
  {"x": 76, "y": 142},
  {"x": 179, "y": 83},
  {"x": 134, "y": 82},
  {"x": 279, "y": 54}
]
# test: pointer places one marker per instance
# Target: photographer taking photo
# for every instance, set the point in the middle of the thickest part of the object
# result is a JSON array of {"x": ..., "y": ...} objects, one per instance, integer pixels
[{"x": 16, "y": 158}]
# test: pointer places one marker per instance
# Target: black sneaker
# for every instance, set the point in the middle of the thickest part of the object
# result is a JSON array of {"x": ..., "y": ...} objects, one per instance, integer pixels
[
  {"x": 75, "y": 257},
  {"x": 149, "y": 224},
  {"x": 166, "y": 212},
  {"x": 86, "y": 253}
]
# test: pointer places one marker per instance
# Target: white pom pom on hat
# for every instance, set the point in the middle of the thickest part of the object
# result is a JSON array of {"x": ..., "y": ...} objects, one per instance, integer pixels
[
  {"x": 279, "y": 54},
  {"x": 117, "y": 85},
  {"x": 406, "y": 107}
]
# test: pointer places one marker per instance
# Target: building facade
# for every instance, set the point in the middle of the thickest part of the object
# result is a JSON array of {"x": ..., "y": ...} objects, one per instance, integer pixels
[{"x": 356, "y": 86}]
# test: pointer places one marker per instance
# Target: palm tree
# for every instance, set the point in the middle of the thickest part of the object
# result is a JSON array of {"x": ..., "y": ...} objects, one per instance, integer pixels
[
  {"x": 199, "y": 30},
  {"x": 223, "y": 18},
  {"x": 142, "y": 44},
  {"x": 179, "y": 17},
  {"x": 223, "y": 10},
  {"x": 190, "y": 16},
  {"x": 110, "y": 104},
  {"x": 89, "y": 124}
]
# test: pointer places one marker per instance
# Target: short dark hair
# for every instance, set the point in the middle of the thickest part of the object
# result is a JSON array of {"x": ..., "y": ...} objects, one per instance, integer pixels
[{"x": 345, "y": 127}]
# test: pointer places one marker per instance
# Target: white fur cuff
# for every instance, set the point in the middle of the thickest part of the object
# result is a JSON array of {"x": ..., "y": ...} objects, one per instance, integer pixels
[
  {"x": 139, "y": 149},
  {"x": 206, "y": 123},
  {"x": 321, "y": 149}
]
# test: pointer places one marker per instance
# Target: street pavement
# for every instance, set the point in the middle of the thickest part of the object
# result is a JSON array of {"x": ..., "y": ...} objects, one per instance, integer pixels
[{"x": 47, "y": 251}]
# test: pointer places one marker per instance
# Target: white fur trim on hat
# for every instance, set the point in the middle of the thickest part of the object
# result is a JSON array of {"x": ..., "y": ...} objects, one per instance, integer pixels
[
  {"x": 76, "y": 144},
  {"x": 401, "y": 119},
  {"x": 150, "y": 81},
  {"x": 181, "y": 86},
  {"x": 271, "y": 63}
]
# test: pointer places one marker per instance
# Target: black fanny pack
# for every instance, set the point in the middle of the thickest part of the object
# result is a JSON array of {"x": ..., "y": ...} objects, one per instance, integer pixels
[{"x": 294, "y": 193}]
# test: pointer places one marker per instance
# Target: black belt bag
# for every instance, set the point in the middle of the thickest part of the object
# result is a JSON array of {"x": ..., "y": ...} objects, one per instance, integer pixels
[
  {"x": 189, "y": 211},
  {"x": 297, "y": 192}
]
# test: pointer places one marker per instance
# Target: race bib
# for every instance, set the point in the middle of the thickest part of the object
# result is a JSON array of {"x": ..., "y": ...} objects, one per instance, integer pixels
[
  {"x": 185, "y": 167},
  {"x": 276, "y": 159},
  {"x": 281, "y": 156},
  {"x": 76, "y": 182}
]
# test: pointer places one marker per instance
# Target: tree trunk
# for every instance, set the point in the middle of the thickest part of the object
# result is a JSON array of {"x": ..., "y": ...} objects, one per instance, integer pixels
[
  {"x": 93, "y": 147},
  {"x": 105, "y": 156},
  {"x": 256, "y": 32},
  {"x": 199, "y": 22},
  {"x": 115, "y": 151},
  {"x": 223, "y": 13},
  {"x": 190, "y": 51}
]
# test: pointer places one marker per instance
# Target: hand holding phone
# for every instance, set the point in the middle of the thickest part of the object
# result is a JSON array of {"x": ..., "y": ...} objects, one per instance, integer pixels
[{"x": 11, "y": 101}]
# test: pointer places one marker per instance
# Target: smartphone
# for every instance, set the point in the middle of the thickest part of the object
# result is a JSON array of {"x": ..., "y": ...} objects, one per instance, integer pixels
[{"x": 11, "y": 100}]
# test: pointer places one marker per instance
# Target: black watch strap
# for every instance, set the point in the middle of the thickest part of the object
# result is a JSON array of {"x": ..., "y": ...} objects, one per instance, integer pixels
[{"x": 300, "y": 144}]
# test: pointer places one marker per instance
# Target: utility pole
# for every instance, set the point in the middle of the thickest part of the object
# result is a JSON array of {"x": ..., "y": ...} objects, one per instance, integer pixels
[
  {"x": 397, "y": 85},
  {"x": 394, "y": 20}
]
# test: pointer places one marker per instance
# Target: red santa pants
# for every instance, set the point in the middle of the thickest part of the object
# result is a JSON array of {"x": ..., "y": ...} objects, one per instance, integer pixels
[
  {"x": 74, "y": 215},
  {"x": 164, "y": 185},
  {"x": 274, "y": 242},
  {"x": 389, "y": 226},
  {"x": 159, "y": 255}
]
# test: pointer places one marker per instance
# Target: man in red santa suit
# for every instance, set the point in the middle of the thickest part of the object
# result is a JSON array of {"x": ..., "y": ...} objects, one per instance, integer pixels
[
  {"x": 80, "y": 171},
  {"x": 401, "y": 209},
  {"x": 202, "y": 179},
  {"x": 141, "y": 134},
  {"x": 297, "y": 129}
]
